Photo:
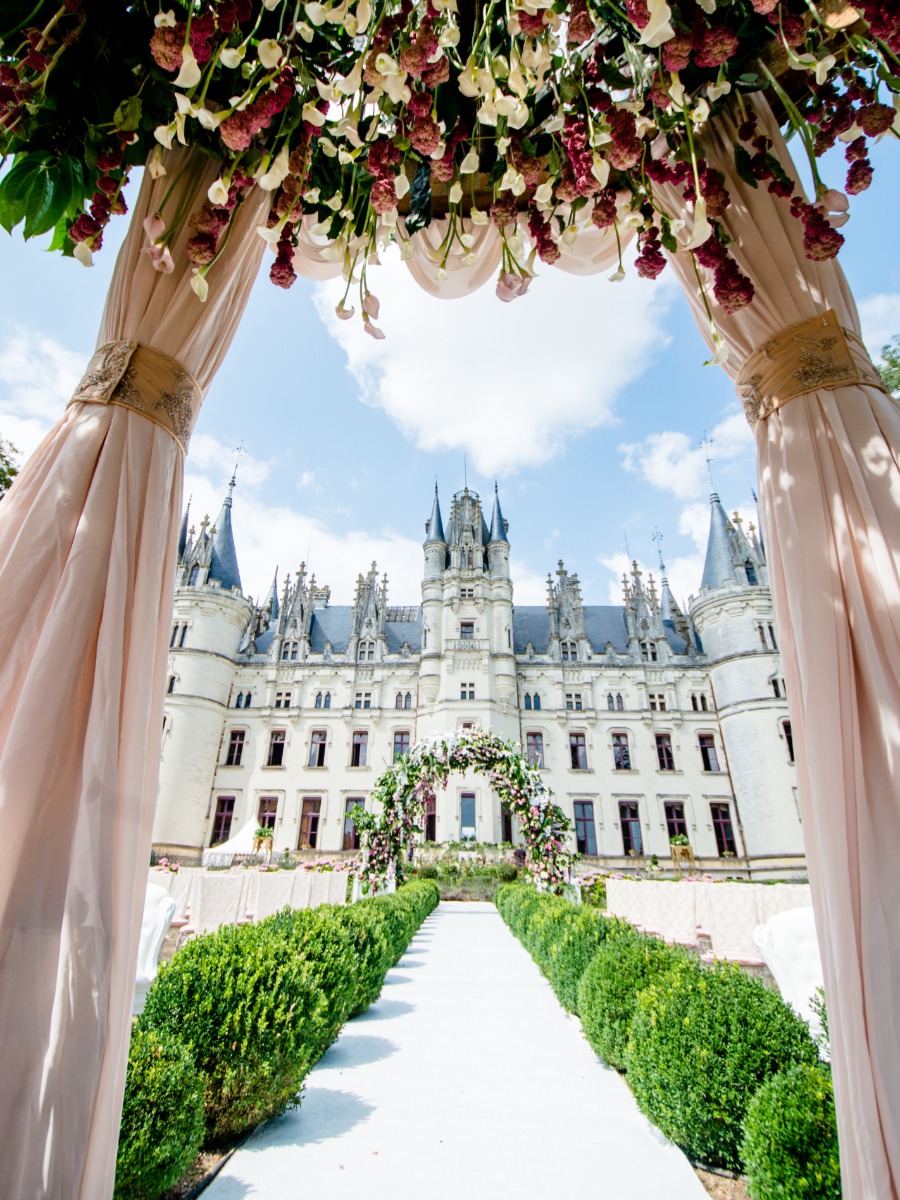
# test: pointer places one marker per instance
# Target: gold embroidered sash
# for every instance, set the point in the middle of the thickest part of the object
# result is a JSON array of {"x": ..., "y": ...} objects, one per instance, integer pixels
[
  {"x": 813, "y": 354},
  {"x": 145, "y": 380}
]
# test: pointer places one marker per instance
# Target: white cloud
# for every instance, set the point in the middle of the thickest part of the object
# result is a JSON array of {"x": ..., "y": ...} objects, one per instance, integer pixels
[
  {"x": 210, "y": 453},
  {"x": 508, "y": 383},
  {"x": 669, "y": 461},
  {"x": 880, "y": 319},
  {"x": 37, "y": 378}
]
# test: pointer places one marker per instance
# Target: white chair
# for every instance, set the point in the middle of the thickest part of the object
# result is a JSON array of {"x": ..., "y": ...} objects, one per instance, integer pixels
[
  {"x": 790, "y": 948},
  {"x": 159, "y": 909}
]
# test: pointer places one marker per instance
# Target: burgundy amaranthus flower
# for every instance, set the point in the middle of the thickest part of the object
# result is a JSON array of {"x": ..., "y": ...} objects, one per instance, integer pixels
[
  {"x": 282, "y": 273},
  {"x": 651, "y": 260},
  {"x": 626, "y": 149},
  {"x": 167, "y": 45},
  {"x": 731, "y": 287},
  {"x": 859, "y": 177},
  {"x": 581, "y": 23},
  {"x": 821, "y": 241},
  {"x": 425, "y": 135},
  {"x": 638, "y": 13},
  {"x": 504, "y": 211},
  {"x": 876, "y": 118},
  {"x": 676, "y": 52},
  {"x": 539, "y": 228},
  {"x": 603, "y": 213},
  {"x": 715, "y": 46}
]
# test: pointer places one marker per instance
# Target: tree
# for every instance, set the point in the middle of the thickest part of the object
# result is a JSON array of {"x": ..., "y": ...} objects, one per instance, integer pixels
[
  {"x": 9, "y": 468},
  {"x": 890, "y": 367}
]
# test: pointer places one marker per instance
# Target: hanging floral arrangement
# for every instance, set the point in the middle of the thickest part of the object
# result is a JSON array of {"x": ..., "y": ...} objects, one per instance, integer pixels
[
  {"x": 363, "y": 118},
  {"x": 391, "y": 825}
]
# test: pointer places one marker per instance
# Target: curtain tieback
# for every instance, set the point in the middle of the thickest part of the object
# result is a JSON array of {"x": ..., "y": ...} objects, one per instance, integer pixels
[
  {"x": 812, "y": 355},
  {"x": 146, "y": 381}
]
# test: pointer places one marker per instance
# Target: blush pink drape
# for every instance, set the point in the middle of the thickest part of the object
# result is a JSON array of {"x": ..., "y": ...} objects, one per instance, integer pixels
[
  {"x": 829, "y": 474},
  {"x": 87, "y": 555}
]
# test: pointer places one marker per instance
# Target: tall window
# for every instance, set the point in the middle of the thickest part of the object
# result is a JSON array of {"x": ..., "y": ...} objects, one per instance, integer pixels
[
  {"x": 328, "y": 699},
  {"x": 585, "y": 835},
  {"x": 721, "y": 820},
  {"x": 676, "y": 824},
  {"x": 247, "y": 699},
  {"x": 776, "y": 689},
  {"x": 695, "y": 703},
  {"x": 621, "y": 753},
  {"x": 751, "y": 572},
  {"x": 222, "y": 820},
  {"x": 657, "y": 701},
  {"x": 276, "y": 749},
  {"x": 179, "y": 633},
  {"x": 286, "y": 651},
  {"x": 620, "y": 703},
  {"x": 632, "y": 842},
  {"x": 239, "y": 703},
  {"x": 771, "y": 631},
  {"x": 467, "y": 630},
  {"x": 366, "y": 652},
  {"x": 318, "y": 741},
  {"x": 407, "y": 700},
  {"x": 398, "y": 703},
  {"x": 235, "y": 748},
  {"x": 430, "y": 819},
  {"x": 648, "y": 651},
  {"x": 363, "y": 700},
  {"x": 467, "y": 691},
  {"x": 401, "y": 743},
  {"x": 703, "y": 704},
  {"x": 268, "y": 811},
  {"x": 351, "y": 837},
  {"x": 171, "y": 688},
  {"x": 610, "y": 703},
  {"x": 569, "y": 651},
  {"x": 194, "y": 575},
  {"x": 318, "y": 699},
  {"x": 309, "y": 823},
  {"x": 534, "y": 748},
  {"x": 789, "y": 739},
  {"x": 359, "y": 749},
  {"x": 174, "y": 638},
  {"x": 536, "y": 700},
  {"x": 708, "y": 752},
  {"x": 578, "y": 751},
  {"x": 574, "y": 701},
  {"x": 760, "y": 629},
  {"x": 664, "y": 755},
  {"x": 528, "y": 701},
  {"x": 467, "y": 829}
]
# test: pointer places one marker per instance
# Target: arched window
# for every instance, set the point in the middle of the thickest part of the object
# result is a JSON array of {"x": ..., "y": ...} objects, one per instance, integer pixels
[
  {"x": 407, "y": 700},
  {"x": 528, "y": 700},
  {"x": 537, "y": 700},
  {"x": 751, "y": 572},
  {"x": 620, "y": 703},
  {"x": 328, "y": 699},
  {"x": 247, "y": 700},
  {"x": 399, "y": 701},
  {"x": 194, "y": 576},
  {"x": 318, "y": 699},
  {"x": 171, "y": 684},
  {"x": 610, "y": 703},
  {"x": 703, "y": 704}
]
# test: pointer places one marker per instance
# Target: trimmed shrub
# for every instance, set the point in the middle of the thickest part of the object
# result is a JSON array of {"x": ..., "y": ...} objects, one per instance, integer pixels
[
  {"x": 790, "y": 1138},
  {"x": 516, "y": 903},
  {"x": 701, "y": 1043},
  {"x": 582, "y": 935},
  {"x": 162, "y": 1116},
  {"x": 251, "y": 1013},
  {"x": 609, "y": 988},
  {"x": 367, "y": 928},
  {"x": 507, "y": 872}
]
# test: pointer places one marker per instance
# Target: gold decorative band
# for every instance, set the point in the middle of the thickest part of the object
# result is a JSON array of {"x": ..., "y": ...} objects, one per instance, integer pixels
[
  {"x": 145, "y": 380},
  {"x": 803, "y": 358}
]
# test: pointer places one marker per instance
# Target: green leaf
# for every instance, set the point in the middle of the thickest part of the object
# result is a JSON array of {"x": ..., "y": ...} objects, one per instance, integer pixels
[
  {"x": 666, "y": 236},
  {"x": 742, "y": 161},
  {"x": 127, "y": 116},
  {"x": 39, "y": 189}
]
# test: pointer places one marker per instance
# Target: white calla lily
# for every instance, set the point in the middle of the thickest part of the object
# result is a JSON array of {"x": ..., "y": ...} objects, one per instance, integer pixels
[
  {"x": 658, "y": 29},
  {"x": 232, "y": 56},
  {"x": 702, "y": 229},
  {"x": 716, "y": 90},
  {"x": 165, "y": 20},
  {"x": 469, "y": 164},
  {"x": 84, "y": 254},
  {"x": 164, "y": 134},
  {"x": 218, "y": 192},
  {"x": 317, "y": 13},
  {"x": 278, "y": 171},
  {"x": 543, "y": 194},
  {"x": 199, "y": 286},
  {"x": 190, "y": 74},
  {"x": 401, "y": 186},
  {"x": 270, "y": 53},
  {"x": 313, "y": 115}
]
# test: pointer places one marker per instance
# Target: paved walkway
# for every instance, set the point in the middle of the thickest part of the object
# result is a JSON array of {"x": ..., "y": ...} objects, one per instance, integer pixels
[{"x": 466, "y": 1081}]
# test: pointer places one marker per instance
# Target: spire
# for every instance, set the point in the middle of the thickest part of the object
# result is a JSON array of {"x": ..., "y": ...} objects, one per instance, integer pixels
[
  {"x": 223, "y": 563},
  {"x": 270, "y": 604},
  {"x": 719, "y": 567},
  {"x": 435, "y": 528},
  {"x": 183, "y": 535},
  {"x": 498, "y": 525}
]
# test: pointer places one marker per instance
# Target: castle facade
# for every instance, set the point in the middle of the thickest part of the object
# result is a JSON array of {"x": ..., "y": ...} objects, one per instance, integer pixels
[{"x": 650, "y": 723}]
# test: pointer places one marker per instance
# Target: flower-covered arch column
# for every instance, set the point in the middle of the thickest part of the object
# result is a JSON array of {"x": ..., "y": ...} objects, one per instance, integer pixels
[{"x": 401, "y": 792}]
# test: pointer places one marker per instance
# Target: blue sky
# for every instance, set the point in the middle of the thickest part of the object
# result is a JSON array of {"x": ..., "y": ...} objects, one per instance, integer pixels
[{"x": 586, "y": 400}]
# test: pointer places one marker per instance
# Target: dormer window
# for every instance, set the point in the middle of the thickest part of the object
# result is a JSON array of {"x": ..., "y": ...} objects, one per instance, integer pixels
[
  {"x": 751, "y": 573},
  {"x": 648, "y": 652},
  {"x": 366, "y": 652},
  {"x": 569, "y": 651}
]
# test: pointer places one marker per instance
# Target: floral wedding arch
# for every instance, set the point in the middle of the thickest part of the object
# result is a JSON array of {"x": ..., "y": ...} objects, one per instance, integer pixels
[
  {"x": 389, "y": 829},
  {"x": 485, "y": 139}
]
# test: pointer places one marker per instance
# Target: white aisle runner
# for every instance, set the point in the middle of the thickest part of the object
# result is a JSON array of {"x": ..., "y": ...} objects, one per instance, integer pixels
[{"x": 466, "y": 1080}]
